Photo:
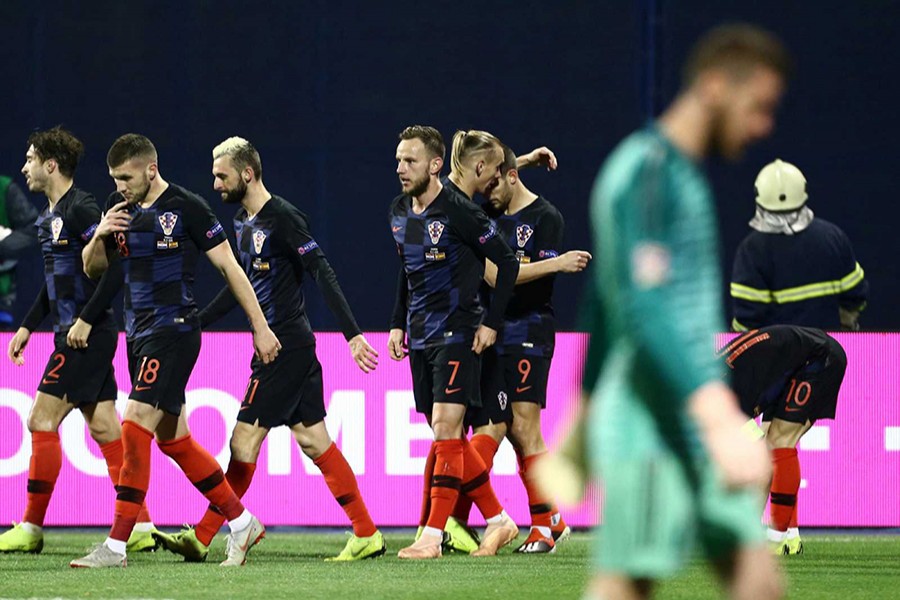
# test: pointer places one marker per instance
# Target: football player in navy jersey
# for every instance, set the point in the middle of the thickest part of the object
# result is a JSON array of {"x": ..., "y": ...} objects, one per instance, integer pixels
[
  {"x": 79, "y": 373},
  {"x": 443, "y": 240},
  {"x": 158, "y": 232},
  {"x": 276, "y": 250}
]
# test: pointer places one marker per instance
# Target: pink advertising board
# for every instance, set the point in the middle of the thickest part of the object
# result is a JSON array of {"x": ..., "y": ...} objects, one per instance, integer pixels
[{"x": 851, "y": 467}]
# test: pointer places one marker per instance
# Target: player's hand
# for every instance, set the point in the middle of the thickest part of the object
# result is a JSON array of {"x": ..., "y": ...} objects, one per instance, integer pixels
[
  {"x": 573, "y": 261},
  {"x": 484, "y": 339},
  {"x": 266, "y": 345},
  {"x": 16, "y": 348},
  {"x": 397, "y": 344},
  {"x": 114, "y": 220},
  {"x": 364, "y": 354},
  {"x": 78, "y": 334},
  {"x": 542, "y": 156},
  {"x": 742, "y": 461}
]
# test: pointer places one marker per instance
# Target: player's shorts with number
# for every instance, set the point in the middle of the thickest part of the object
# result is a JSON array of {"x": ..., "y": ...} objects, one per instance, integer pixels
[
  {"x": 85, "y": 375},
  {"x": 160, "y": 366},
  {"x": 448, "y": 374},
  {"x": 811, "y": 392},
  {"x": 285, "y": 392},
  {"x": 508, "y": 378}
]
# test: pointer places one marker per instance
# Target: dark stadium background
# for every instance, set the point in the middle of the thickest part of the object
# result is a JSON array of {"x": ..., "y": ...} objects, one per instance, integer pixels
[{"x": 322, "y": 88}]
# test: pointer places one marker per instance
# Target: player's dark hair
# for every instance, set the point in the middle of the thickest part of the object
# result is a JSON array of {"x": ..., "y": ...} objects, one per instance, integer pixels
[
  {"x": 128, "y": 146},
  {"x": 242, "y": 154},
  {"x": 60, "y": 145},
  {"x": 429, "y": 136},
  {"x": 737, "y": 49},
  {"x": 468, "y": 143},
  {"x": 509, "y": 160}
]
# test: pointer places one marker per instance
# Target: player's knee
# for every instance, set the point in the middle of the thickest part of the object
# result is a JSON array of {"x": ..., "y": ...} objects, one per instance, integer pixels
[
  {"x": 528, "y": 437},
  {"x": 39, "y": 422},
  {"x": 444, "y": 430},
  {"x": 496, "y": 431}
]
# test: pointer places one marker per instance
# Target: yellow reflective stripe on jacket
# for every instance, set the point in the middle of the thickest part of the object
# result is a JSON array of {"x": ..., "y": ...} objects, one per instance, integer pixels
[
  {"x": 803, "y": 292},
  {"x": 738, "y": 326}
]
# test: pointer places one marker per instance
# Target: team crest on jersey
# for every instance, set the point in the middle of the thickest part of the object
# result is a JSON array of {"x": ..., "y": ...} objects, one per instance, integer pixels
[
  {"x": 502, "y": 399},
  {"x": 435, "y": 230},
  {"x": 259, "y": 238},
  {"x": 56, "y": 226},
  {"x": 167, "y": 221},
  {"x": 523, "y": 234}
]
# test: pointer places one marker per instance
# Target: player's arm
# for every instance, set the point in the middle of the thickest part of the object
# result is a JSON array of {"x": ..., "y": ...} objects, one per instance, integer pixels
[
  {"x": 223, "y": 303},
  {"x": 573, "y": 261},
  {"x": 306, "y": 253},
  {"x": 476, "y": 230},
  {"x": 854, "y": 292},
  {"x": 39, "y": 310},
  {"x": 539, "y": 157},
  {"x": 751, "y": 297},
  {"x": 397, "y": 339},
  {"x": 95, "y": 255},
  {"x": 265, "y": 342}
]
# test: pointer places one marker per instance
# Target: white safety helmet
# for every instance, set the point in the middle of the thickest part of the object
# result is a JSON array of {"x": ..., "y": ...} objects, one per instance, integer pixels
[{"x": 780, "y": 187}]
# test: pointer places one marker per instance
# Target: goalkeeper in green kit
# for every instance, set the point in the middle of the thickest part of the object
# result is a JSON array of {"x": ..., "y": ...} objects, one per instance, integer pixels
[{"x": 663, "y": 427}]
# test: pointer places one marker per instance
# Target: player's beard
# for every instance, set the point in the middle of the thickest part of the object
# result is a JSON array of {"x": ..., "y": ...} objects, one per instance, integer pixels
[
  {"x": 419, "y": 187},
  {"x": 718, "y": 138},
  {"x": 236, "y": 195},
  {"x": 141, "y": 194}
]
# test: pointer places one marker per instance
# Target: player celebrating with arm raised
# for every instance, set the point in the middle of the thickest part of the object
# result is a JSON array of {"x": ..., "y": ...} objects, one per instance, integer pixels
[
  {"x": 79, "y": 374},
  {"x": 158, "y": 232},
  {"x": 275, "y": 248},
  {"x": 443, "y": 240}
]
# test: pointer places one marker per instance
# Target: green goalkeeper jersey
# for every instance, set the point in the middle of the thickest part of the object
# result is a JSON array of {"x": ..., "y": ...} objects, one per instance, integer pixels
[{"x": 657, "y": 274}]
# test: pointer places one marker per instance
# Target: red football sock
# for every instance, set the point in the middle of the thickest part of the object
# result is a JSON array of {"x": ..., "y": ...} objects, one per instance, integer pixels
[
  {"x": 426, "y": 488},
  {"x": 134, "y": 479},
  {"x": 448, "y": 472},
  {"x": 239, "y": 475},
  {"x": 113, "y": 453},
  {"x": 486, "y": 447},
  {"x": 43, "y": 470},
  {"x": 477, "y": 480},
  {"x": 793, "y": 524},
  {"x": 785, "y": 484},
  {"x": 204, "y": 472},
  {"x": 541, "y": 508},
  {"x": 342, "y": 482}
]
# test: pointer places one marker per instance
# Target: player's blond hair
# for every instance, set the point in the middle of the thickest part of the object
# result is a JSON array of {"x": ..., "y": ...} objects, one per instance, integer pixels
[
  {"x": 242, "y": 155},
  {"x": 468, "y": 144}
]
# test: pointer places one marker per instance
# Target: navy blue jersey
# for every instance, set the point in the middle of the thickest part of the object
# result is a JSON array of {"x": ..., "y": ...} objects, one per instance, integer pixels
[
  {"x": 801, "y": 279},
  {"x": 63, "y": 233},
  {"x": 443, "y": 251},
  {"x": 276, "y": 248},
  {"x": 159, "y": 255},
  {"x": 534, "y": 233},
  {"x": 762, "y": 362}
]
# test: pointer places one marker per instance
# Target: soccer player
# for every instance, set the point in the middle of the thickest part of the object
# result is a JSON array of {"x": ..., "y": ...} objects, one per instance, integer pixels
[
  {"x": 515, "y": 370},
  {"x": 275, "y": 248},
  {"x": 79, "y": 373},
  {"x": 158, "y": 231},
  {"x": 443, "y": 240},
  {"x": 791, "y": 376},
  {"x": 665, "y": 431}
]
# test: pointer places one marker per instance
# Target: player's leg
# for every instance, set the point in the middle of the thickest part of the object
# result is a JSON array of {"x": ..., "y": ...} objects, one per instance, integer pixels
[
  {"x": 314, "y": 441},
  {"x": 750, "y": 573},
  {"x": 47, "y": 413},
  {"x": 782, "y": 437},
  {"x": 613, "y": 586}
]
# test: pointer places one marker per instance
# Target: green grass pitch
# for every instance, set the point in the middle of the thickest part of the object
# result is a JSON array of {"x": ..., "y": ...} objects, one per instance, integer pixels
[{"x": 289, "y": 565}]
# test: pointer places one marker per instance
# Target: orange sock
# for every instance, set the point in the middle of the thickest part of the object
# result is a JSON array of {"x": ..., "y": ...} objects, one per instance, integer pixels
[
  {"x": 477, "y": 480},
  {"x": 342, "y": 482},
  {"x": 793, "y": 524},
  {"x": 541, "y": 507},
  {"x": 486, "y": 447},
  {"x": 239, "y": 475},
  {"x": 785, "y": 484},
  {"x": 426, "y": 488},
  {"x": 206, "y": 475},
  {"x": 43, "y": 470},
  {"x": 134, "y": 479},
  {"x": 113, "y": 453},
  {"x": 448, "y": 472}
]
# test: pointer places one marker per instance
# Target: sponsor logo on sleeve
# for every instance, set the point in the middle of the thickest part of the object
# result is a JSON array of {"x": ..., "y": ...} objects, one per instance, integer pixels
[
  {"x": 490, "y": 233},
  {"x": 215, "y": 230},
  {"x": 307, "y": 247},
  {"x": 548, "y": 254},
  {"x": 89, "y": 232}
]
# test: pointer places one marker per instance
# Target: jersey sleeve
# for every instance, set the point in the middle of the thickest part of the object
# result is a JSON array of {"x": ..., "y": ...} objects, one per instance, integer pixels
[
  {"x": 305, "y": 251},
  {"x": 39, "y": 310},
  {"x": 549, "y": 235},
  {"x": 751, "y": 297},
  {"x": 401, "y": 302},
  {"x": 854, "y": 292},
  {"x": 477, "y": 231},
  {"x": 202, "y": 225}
]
